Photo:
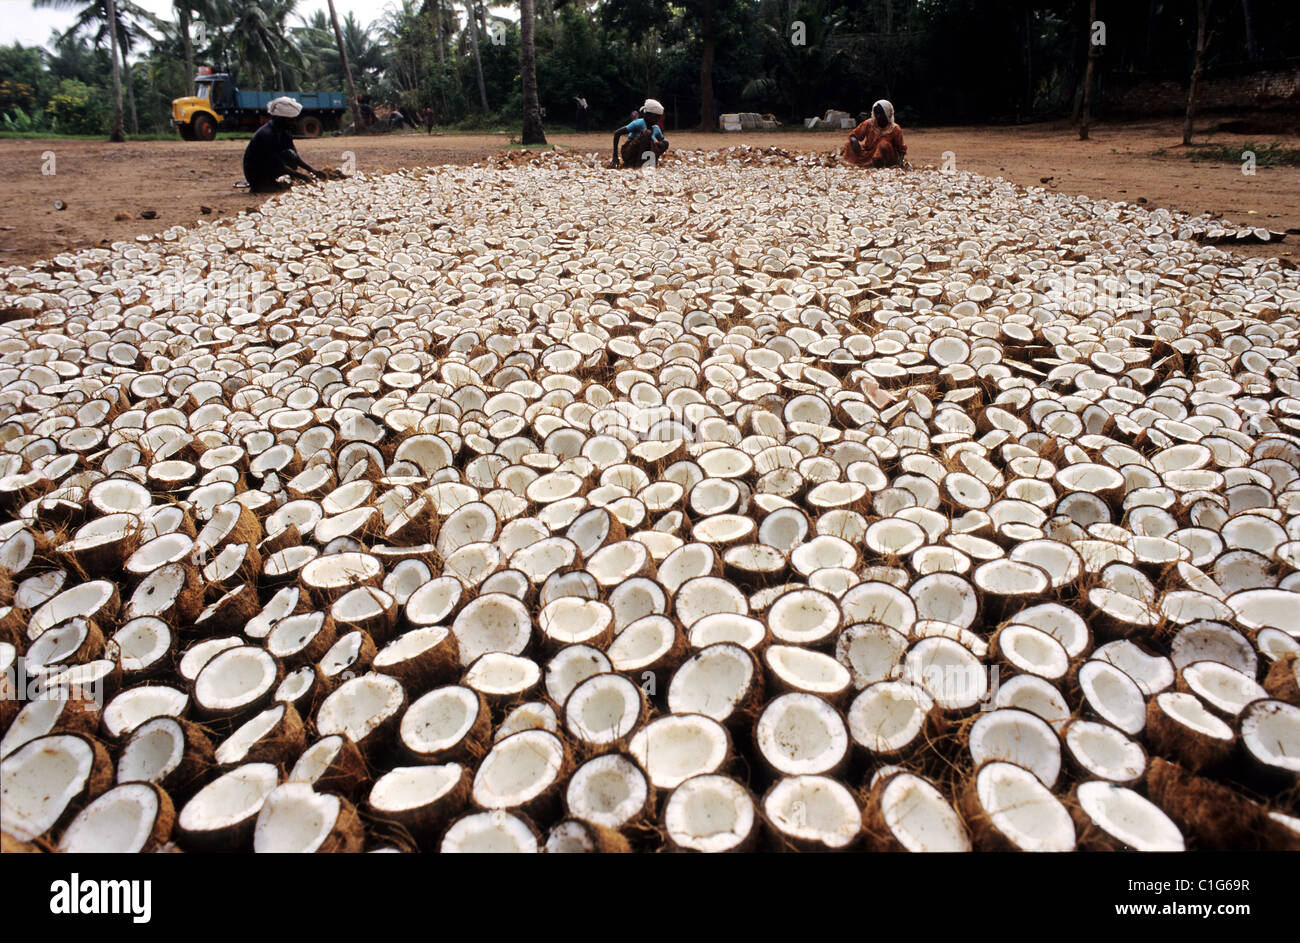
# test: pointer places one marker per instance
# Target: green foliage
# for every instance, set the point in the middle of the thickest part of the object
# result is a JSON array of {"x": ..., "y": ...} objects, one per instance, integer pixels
[{"x": 78, "y": 108}]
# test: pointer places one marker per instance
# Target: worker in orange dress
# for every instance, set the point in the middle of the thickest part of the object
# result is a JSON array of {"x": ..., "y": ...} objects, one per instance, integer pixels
[{"x": 878, "y": 141}]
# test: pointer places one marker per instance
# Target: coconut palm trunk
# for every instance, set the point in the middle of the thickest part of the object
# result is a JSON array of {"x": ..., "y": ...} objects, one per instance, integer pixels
[
  {"x": 1198, "y": 69},
  {"x": 1086, "y": 116},
  {"x": 533, "y": 133},
  {"x": 707, "y": 122},
  {"x": 130, "y": 90},
  {"x": 347, "y": 70},
  {"x": 115, "y": 131},
  {"x": 472, "y": 24},
  {"x": 183, "y": 21}
]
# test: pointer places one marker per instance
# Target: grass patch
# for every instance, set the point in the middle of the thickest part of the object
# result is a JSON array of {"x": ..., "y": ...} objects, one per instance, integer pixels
[{"x": 1266, "y": 155}]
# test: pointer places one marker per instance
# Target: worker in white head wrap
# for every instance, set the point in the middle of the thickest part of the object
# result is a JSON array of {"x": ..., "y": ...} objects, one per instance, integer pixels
[
  {"x": 878, "y": 141},
  {"x": 645, "y": 137},
  {"x": 271, "y": 155}
]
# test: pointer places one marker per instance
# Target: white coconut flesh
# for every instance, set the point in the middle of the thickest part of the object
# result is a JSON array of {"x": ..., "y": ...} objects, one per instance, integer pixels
[
  {"x": 295, "y": 685},
  {"x": 518, "y": 769},
  {"x": 295, "y": 819},
  {"x": 359, "y": 705},
  {"x": 800, "y": 734},
  {"x": 141, "y": 643},
  {"x": 815, "y": 809},
  {"x": 1064, "y": 625},
  {"x": 870, "y": 652},
  {"x": 570, "y": 837},
  {"x": 882, "y": 604},
  {"x": 1113, "y": 695},
  {"x": 79, "y": 602},
  {"x": 294, "y": 633},
  {"x": 1210, "y": 641},
  {"x": 533, "y": 715},
  {"x": 635, "y": 599},
  {"x": 36, "y": 719},
  {"x": 500, "y": 674},
  {"x": 1036, "y": 695},
  {"x": 1151, "y": 673},
  {"x": 603, "y": 708},
  {"x": 919, "y": 816},
  {"x": 806, "y": 670},
  {"x": 234, "y": 679},
  {"x": 414, "y": 787},
  {"x": 200, "y": 653},
  {"x": 57, "y": 645},
  {"x": 492, "y": 623},
  {"x": 642, "y": 643},
  {"x": 1104, "y": 751},
  {"x": 1270, "y": 730},
  {"x": 439, "y": 720},
  {"x": 229, "y": 800},
  {"x": 712, "y": 681},
  {"x": 572, "y": 665},
  {"x": 571, "y": 620},
  {"x": 493, "y": 833},
  {"x": 410, "y": 645},
  {"x": 1222, "y": 688},
  {"x": 948, "y": 671},
  {"x": 743, "y": 630},
  {"x": 39, "y": 779},
  {"x": 154, "y": 750},
  {"x": 1189, "y": 711},
  {"x": 120, "y": 821},
  {"x": 1018, "y": 737},
  {"x": 709, "y": 813},
  {"x": 674, "y": 748},
  {"x": 803, "y": 617},
  {"x": 132, "y": 707},
  {"x": 888, "y": 715},
  {"x": 343, "y": 654},
  {"x": 234, "y": 748},
  {"x": 315, "y": 761},
  {"x": 608, "y": 790},
  {"x": 1033, "y": 651},
  {"x": 1128, "y": 817},
  {"x": 1023, "y": 809}
]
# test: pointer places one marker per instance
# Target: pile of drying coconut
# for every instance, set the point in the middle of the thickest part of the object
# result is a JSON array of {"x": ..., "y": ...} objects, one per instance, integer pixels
[{"x": 538, "y": 507}]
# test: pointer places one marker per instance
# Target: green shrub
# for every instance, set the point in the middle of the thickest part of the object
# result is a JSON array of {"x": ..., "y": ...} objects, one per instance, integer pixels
[{"x": 78, "y": 108}]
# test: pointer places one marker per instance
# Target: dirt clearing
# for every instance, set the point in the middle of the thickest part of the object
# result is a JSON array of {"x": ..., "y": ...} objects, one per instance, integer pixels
[{"x": 108, "y": 190}]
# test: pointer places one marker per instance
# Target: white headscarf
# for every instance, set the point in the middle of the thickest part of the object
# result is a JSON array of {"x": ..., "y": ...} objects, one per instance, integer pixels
[
  {"x": 887, "y": 105},
  {"x": 284, "y": 107}
]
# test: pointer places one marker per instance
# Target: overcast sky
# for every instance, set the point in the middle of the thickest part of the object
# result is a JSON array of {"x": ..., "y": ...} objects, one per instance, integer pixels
[{"x": 20, "y": 23}]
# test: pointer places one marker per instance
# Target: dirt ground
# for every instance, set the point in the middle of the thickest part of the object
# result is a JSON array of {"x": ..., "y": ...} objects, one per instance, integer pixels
[{"x": 110, "y": 190}]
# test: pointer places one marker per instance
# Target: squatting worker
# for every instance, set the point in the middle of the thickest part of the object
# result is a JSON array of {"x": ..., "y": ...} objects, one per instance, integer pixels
[
  {"x": 271, "y": 154},
  {"x": 878, "y": 141},
  {"x": 644, "y": 136}
]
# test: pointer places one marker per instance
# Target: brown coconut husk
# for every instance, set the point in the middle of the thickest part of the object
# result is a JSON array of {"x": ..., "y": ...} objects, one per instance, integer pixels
[
  {"x": 1177, "y": 742},
  {"x": 1283, "y": 679},
  {"x": 1215, "y": 816}
]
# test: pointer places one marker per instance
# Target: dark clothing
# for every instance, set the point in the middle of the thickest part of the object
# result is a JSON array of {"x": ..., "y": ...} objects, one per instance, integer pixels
[
  {"x": 636, "y": 148},
  {"x": 270, "y": 155}
]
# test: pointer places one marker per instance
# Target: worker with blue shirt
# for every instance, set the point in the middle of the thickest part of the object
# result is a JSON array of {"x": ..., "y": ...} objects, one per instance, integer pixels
[{"x": 644, "y": 137}]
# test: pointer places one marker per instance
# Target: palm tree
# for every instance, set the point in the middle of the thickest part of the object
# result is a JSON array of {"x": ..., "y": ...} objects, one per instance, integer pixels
[
  {"x": 122, "y": 23},
  {"x": 472, "y": 26},
  {"x": 255, "y": 33},
  {"x": 533, "y": 133},
  {"x": 347, "y": 72}
]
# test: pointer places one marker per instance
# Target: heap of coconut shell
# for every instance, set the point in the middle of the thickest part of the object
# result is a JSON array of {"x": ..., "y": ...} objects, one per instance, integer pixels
[{"x": 748, "y": 503}]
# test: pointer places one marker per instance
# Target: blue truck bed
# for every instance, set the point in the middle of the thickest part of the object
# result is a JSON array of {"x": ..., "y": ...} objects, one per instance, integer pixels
[{"x": 311, "y": 101}]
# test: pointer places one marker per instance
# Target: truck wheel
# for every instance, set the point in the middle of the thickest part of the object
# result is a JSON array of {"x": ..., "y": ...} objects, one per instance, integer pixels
[
  {"x": 186, "y": 132},
  {"x": 204, "y": 128},
  {"x": 309, "y": 126}
]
